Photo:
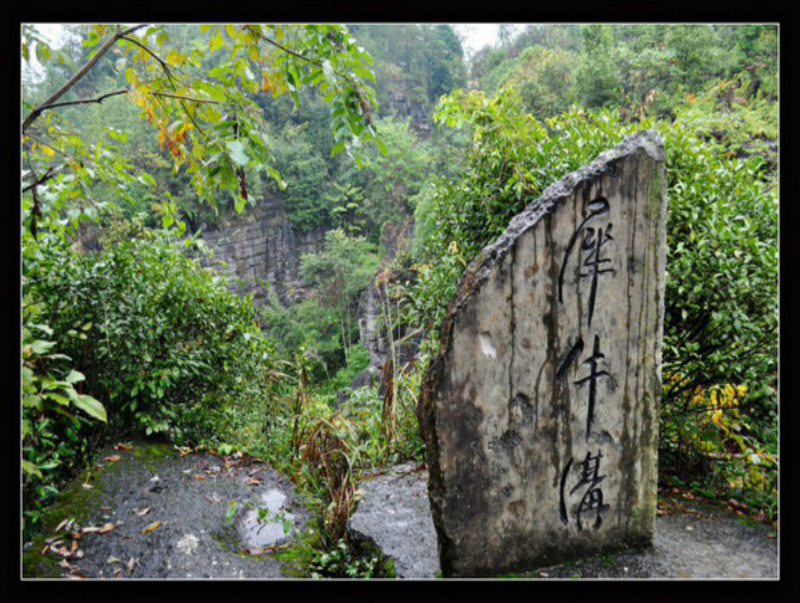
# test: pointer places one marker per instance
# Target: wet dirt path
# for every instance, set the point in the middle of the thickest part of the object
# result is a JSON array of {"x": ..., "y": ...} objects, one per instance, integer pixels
[{"x": 151, "y": 512}]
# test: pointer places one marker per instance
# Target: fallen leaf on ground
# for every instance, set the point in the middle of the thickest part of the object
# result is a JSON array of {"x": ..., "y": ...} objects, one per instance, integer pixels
[
  {"x": 111, "y": 559},
  {"x": 105, "y": 509},
  {"x": 61, "y": 525},
  {"x": 254, "y": 481},
  {"x": 87, "y": 486},
  {"x": 118, "y": 572},
  {"x": 772, "y": 535},
  {"x": 143, "y": 512},
  {"x": 199, "y": 478},
  {"x": 151, "y": 527},
  {"x": 123, "y": 447},
  {"x": 131, "y": 564},
  {"x": 267, "y": 549},
  {"x": 106, "y": 528},
  {"x": 184, "y": 451},
  {"x": 113, "y": 458}
]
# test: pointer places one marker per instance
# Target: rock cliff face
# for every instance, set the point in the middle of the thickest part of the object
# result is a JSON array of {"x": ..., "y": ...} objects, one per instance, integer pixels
[{"x": 261, "y": 251}]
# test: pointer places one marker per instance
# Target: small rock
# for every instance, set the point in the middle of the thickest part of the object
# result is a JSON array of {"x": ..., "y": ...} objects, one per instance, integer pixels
[{"x": 188, "y": 544}]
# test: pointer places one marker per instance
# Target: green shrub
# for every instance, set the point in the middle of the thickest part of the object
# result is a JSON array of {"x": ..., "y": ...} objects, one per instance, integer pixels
[
  {"x": 54, "y": 439},
  {"x": 721, "y": 293},
  {"x": 162, "y": 342}
]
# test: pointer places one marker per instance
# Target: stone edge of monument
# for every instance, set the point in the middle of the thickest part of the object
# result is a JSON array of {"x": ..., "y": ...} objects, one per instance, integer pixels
[{"x": 478, "y": 271}]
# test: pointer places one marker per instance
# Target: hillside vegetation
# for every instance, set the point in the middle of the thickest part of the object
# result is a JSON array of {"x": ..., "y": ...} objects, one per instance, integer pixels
[{"x": 365, "y": 131}]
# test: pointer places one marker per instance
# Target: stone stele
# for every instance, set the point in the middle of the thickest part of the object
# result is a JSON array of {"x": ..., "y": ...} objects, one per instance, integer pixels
[{"x": 540, "y": 412}]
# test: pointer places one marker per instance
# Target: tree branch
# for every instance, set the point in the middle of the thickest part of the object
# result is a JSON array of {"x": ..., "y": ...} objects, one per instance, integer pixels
[
  {"x": 187, "y": 98},
  {"x": 86, "y": 101},
  {"x": 164, "y": 65},
  {"x": 77, "y": 77},
  {"x": 50, "y": 173}
]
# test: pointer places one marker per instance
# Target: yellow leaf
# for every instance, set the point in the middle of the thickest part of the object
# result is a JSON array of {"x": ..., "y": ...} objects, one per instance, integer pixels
[{"x": 151, "y": 527}]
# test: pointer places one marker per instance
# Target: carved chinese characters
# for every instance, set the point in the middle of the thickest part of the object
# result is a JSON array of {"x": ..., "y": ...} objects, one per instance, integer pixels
[{"x": 540, "y": 412}]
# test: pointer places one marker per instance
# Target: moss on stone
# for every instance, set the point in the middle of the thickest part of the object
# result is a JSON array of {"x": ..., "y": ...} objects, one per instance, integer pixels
[
  {"x": 37, "y": 565},
  {"x": 152, "y": 454}
]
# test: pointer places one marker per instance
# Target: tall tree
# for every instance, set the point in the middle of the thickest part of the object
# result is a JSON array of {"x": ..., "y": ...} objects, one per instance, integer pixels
[{"x": 597, "y": 79}]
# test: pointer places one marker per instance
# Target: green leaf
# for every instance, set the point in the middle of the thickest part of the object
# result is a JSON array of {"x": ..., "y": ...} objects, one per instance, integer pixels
[
  {"x": 31, "y": 469},
  {"x": 74, "y": 377},
  {"x": 91, "y": 407},
  {"x": 41, "y": 347},
  {"x": 237, "y": 152},
  {"x": 216, "y": 42},
  {"x": 59, "y": 398},
  {"x": 43, "y": 327}
]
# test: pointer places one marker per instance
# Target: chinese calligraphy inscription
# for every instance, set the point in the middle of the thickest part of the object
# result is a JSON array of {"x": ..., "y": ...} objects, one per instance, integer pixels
[{"x": 540, "y": 411}]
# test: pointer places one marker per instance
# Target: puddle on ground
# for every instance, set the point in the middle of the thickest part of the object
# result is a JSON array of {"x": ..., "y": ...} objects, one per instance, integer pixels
[{"x": 255, "y": 534}]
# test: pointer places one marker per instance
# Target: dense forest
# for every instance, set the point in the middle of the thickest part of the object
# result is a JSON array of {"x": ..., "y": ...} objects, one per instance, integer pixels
[{"x": 407, "y": 159}]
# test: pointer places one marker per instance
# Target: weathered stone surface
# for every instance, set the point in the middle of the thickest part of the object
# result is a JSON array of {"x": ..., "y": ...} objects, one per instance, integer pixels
[
  {"x": 394, "y": 516},
  {"x": 540, "y": 411},
  {"x": 260, "y": 246}
]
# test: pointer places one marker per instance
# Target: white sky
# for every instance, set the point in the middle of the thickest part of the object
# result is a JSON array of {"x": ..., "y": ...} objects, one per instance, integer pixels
[{"x": 474, "y": 36}]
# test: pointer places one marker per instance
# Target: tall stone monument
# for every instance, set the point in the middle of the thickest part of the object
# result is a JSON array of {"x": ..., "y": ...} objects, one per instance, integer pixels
[{"x": 540, "y": 413}]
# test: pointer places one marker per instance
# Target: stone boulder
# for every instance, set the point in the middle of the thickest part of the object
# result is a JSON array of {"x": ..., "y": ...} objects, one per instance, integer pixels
[{"x": 540, "y": 412}]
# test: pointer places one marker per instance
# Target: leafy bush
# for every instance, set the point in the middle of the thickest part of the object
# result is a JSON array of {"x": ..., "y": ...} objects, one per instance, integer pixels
[
  {"x": 325, "y": 320},
  {"x": 722, "y": 229},
  {"x": 511, "y": 160},
  {"x": 545, "y": 80},
  {"x": 53, "y": 434},
  {"x": 707, "y": 428},
  {"x": 166, "y": 346},
  {"x": 597, "y": 80}
]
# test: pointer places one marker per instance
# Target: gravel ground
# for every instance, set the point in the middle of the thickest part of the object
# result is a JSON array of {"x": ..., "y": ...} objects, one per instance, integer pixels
[
  {"x": 699, "y": 542},
  {"x": 188, "y": 496},
  {"x": 152, "y": 513}
]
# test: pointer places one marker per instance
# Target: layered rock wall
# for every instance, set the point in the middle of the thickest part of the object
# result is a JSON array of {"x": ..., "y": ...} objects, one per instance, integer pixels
[{"x": 260, "y": 247}]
